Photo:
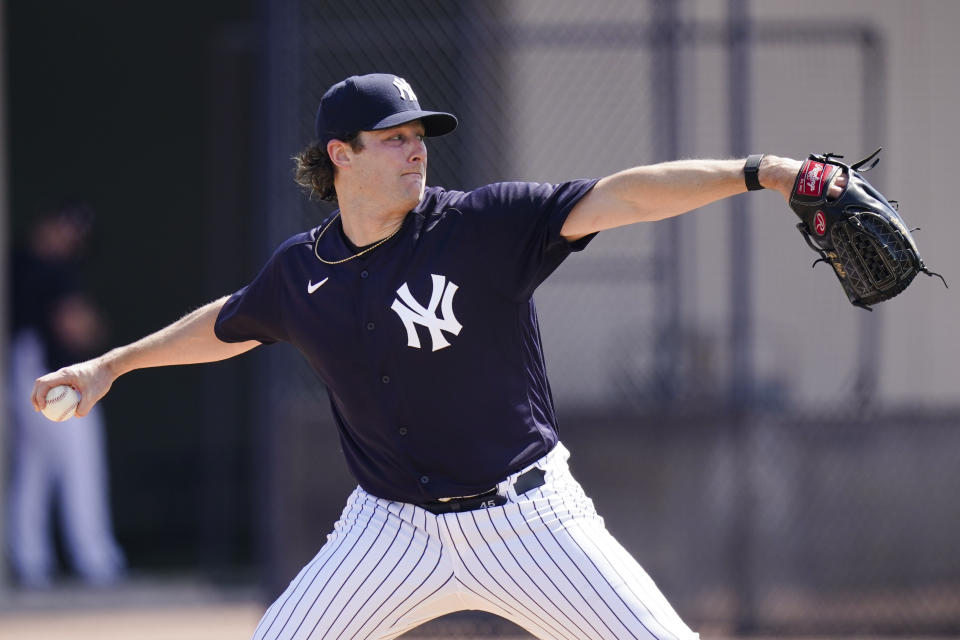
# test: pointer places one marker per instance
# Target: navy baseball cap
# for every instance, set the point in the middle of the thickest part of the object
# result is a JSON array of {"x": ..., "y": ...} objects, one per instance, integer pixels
[{"x": 371, "y": 102}]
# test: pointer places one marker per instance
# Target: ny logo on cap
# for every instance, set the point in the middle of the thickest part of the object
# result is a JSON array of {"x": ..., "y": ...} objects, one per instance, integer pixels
[
  {"x": 413, "y": 313},
  {"x": 406, "y": 91}
]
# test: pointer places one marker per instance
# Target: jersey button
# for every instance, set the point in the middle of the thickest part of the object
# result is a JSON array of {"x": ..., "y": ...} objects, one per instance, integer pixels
[
  {"x": 424, "y": 479},
  {"x": 364, "y": 274},
  {"x": 385, "y": 379},
  {"x": 402, "y": 431},
  {"x": 371, "y": 326}
]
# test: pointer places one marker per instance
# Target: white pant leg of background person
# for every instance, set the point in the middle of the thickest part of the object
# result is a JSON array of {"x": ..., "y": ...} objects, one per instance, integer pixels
[
  {"x": 56, "y": 459},
  {"x": 84, "y": 500},
  {"x": 29, "y": 532}
]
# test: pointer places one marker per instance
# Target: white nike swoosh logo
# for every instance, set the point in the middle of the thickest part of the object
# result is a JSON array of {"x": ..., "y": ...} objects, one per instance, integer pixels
[{"x": 313, "y": 287}]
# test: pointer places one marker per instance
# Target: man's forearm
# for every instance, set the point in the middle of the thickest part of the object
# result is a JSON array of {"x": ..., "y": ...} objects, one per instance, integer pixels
[
  {"x": 667, "y": 189},
  {"x": 670, "y": 188},
  {"x": 189, "y": 340}
]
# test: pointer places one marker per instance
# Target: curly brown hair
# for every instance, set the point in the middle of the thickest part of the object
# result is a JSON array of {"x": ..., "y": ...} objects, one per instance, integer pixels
[{"x": 314, "y": 171}]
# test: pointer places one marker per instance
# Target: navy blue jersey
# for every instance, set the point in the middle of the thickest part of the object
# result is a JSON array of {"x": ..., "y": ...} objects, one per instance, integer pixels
[
  {"x": 429, "y": 344},
  {"x": 37, "y": 287}
]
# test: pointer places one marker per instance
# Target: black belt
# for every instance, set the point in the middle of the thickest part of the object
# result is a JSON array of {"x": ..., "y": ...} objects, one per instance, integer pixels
[{"x": 526, "y": 481}]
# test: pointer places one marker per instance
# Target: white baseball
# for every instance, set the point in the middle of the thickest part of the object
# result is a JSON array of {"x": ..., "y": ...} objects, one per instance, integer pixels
[{"x": 62, "y": 402}]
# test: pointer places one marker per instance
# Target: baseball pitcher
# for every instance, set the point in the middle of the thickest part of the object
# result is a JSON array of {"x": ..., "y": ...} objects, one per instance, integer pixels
[{"x": 410, "y": 301}]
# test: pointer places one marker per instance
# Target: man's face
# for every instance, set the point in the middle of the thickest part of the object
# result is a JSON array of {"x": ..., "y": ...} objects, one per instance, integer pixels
[{"x": 393, "y": 164}]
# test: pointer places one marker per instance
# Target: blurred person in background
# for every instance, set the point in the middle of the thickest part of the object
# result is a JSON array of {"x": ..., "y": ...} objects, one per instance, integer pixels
[{"x": 54, "y": 322}]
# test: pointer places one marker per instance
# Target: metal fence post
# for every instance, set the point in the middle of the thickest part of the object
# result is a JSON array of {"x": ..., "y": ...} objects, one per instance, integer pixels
[
  {"x": 668, "y": 258},
  {"x": 4, "y": 329},
  {"x": 873, "y": 128},
  {"x": 278, "y": 212},
  {"x": 741, "y": 316}
]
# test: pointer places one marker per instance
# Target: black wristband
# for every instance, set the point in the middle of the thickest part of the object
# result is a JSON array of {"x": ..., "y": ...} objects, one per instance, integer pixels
[{"x": 751, "y": 172}]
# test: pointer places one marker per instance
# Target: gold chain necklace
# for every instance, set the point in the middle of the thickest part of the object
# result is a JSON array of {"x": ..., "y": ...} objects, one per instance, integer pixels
[{"x": 316, "y": 245}]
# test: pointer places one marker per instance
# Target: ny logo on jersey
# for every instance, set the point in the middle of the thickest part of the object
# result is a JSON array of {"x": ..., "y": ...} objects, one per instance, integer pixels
[
  {"x": 406, "y": 91},
  {"x": 413, "y": 313}
]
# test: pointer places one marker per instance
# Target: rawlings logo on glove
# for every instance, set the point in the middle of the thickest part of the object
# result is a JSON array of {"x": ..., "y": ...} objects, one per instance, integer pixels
[
  {"x": 813, "y": 178},
  {"x": 859, "y": 233}
]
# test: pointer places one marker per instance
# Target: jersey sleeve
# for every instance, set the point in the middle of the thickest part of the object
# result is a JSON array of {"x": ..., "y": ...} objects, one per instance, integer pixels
[
  {"x": 521, "y": 225},
  {"x": 255, "y": 311}
]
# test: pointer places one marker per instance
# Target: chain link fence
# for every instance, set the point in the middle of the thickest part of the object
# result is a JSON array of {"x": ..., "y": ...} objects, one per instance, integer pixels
[{"x": 788, "y": 510}]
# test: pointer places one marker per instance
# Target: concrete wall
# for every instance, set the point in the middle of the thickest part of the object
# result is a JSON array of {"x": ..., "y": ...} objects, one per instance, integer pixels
[{"x": 586, "y": 112}]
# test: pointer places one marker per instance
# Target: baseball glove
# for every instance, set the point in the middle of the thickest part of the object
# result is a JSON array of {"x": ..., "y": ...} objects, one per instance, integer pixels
[{"x": 859, "y": 233}]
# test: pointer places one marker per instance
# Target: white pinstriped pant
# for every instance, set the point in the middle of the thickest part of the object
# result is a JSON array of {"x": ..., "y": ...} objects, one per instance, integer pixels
[{"x": 544, "y": 560}]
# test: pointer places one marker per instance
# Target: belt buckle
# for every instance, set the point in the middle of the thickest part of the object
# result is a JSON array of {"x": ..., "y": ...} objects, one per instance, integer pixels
[
  {"x": 527, "y": 481},
  {"x": 484, "y": 500},
  {"x": 475, "y": 495}
]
